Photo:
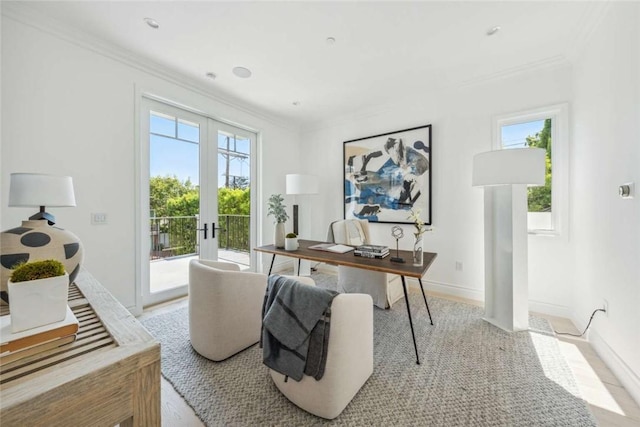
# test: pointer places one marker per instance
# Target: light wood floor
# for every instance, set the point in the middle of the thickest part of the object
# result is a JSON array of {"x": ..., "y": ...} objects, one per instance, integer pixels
[{"x": 608, "y": 400}]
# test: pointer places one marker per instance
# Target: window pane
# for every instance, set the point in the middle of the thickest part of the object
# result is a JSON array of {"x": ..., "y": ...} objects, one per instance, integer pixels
[
  {"x": 242, "y": 145},
  {"x": 171, "y": 157},
  {"x": 537, "y": 134},
  {"x": 162, "y": 124},
  {"x": 223, "y": 139},
  {"x": 188, "y": 131},
  {"x": 233, "y": 164}
]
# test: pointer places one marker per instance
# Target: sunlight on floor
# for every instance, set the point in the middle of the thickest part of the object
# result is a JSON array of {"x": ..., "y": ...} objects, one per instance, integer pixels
[
  {"x": 594, "y": 391},
  {"x": 168, "y": 273}
]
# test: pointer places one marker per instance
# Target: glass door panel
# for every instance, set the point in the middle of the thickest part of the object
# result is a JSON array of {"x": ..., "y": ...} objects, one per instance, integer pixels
[
  {"x": 200, "y": 203},
  {"x": 180, "y": 203},
  {"x": 234, "y": 194}
]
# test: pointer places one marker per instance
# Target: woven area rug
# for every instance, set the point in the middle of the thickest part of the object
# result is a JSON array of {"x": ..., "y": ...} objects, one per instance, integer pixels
[{"x": 472, "y": 374}]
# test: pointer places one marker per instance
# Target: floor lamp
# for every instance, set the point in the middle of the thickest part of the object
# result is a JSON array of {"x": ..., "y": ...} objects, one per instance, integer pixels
[
  {"x": 505, "y": 174},
  {"x": 300, "y": 184}
]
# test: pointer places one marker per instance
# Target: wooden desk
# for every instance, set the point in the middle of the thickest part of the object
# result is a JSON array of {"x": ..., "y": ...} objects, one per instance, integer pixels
[
  {"x": 383, "y": 265},
  {"x": 109, "y": 375}
]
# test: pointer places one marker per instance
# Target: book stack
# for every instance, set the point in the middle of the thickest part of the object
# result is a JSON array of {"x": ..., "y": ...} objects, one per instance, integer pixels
[
  {"x": 15, "y": 346},
  {"x": 372, "y": 251}
]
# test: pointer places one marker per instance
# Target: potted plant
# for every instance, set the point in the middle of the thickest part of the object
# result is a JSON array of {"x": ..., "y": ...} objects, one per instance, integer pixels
[
  {"x": 37, "y": 294},
  {"x": 291, "y": 242},
  {"x": 277, "y": 210}
]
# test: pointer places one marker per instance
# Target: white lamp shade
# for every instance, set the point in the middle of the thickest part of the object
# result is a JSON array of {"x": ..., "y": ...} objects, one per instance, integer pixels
[
  {"x": 509, "y": 166},
  {"x": 302, "y": 184},
  {"x": 32, "y": 189}
]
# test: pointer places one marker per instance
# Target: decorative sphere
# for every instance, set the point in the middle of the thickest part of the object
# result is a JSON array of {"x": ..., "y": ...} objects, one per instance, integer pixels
[
  {"x": 37, "y": 240},
  {"x": 397, "y": 232}
]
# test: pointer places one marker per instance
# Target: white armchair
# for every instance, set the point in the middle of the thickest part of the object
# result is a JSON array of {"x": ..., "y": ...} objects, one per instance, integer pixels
[
  {"x": 225, "y": 307},
  {"x": 385, "y": 289},
  {"x": 349, "y": 360}
]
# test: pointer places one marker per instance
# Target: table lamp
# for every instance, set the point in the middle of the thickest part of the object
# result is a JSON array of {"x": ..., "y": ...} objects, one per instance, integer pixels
[
  {"x": 505, "y": 174},
  {"x": 38, "y": 190},
  {"x": 37, "y": 239},
  {"x": 300, "y": 184}
]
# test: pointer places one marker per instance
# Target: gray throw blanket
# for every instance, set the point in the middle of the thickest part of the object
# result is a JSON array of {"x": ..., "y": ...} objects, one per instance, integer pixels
[{"x": 295, "y": 327}]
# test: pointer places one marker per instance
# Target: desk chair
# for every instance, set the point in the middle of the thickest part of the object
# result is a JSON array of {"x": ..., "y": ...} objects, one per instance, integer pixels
[{"x": 384, "y": 288}]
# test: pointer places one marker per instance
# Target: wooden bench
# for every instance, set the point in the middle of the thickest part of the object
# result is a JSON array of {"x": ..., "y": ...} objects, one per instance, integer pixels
[{"x": 109, "y": 375}]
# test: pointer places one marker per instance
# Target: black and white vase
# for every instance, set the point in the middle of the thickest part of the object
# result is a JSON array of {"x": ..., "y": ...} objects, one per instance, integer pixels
[{"x": 37, "y": 240}]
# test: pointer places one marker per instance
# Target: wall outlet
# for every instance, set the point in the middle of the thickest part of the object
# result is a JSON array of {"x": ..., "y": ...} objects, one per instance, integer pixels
[
  {"x": 627, "y": 190},
  {"x": 605, "y": 307},
  {"x": 459, "y": 266},
  {"x": 98, "y": 218}
]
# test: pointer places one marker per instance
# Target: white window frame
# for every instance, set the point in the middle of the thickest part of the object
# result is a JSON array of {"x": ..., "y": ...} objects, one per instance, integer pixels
[{"x": 559, "y": 114}]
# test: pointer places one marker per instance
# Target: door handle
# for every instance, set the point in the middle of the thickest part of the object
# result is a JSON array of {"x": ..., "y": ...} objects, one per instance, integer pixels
[
  {"x": 205, "y": 231},
  {"x": 213, "y": 229}
]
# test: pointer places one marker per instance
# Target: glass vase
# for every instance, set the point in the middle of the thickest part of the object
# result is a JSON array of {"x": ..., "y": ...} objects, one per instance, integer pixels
[{"x": 417, "y": 251}]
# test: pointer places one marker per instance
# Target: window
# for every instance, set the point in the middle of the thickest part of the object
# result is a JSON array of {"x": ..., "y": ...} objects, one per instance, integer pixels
[{"x": 544, "y": 128}]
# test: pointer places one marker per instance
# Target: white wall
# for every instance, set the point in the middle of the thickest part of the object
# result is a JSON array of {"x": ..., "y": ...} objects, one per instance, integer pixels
[
  {"x": 599, "y": 257},
  {"x": 606, "y": 153},
  {"x": 70, "y": 110},
  {"x": 462, "y": 127}
]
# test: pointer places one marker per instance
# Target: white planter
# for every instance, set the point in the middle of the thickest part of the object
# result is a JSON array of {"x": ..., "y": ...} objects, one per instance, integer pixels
[
  {"x": 38, "y": 302},
  {"x": 290, "y": 243}
]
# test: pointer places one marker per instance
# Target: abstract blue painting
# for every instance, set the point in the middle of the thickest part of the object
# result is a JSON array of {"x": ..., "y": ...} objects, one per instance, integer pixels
[{"x": 386, "y": 175}]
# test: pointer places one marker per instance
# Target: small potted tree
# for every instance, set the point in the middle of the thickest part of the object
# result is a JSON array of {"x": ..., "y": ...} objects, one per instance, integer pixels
[
  {"x": 277, "y": 210},
  {"x": 291, "y": 242},
  {"x": 38, "y": 293}
]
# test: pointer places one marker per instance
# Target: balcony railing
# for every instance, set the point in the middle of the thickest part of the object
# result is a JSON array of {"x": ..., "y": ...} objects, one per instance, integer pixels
[{"x": 178, "y": 235}]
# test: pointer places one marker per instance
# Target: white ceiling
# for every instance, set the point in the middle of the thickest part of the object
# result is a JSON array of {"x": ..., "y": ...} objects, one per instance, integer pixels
[{"x": 383, "y": 50}]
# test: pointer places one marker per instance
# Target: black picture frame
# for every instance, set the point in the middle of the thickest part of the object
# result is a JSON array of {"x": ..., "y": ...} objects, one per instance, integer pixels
[{"x": 388, "y": 174}]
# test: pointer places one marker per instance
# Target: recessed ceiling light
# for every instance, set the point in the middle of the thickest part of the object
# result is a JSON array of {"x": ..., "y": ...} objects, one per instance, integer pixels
[
  {"x": 493, "y": 30},
  {"x": 242, "y": 72},
  {"x": 211, "y": 75},
  {"x": 296, "y": 103},
  {"x": 331, "y": 40},
  {"x": 152, "y": 23}
]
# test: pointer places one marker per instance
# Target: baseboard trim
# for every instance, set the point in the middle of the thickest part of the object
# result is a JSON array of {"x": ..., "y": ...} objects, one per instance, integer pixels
[
  {"x": 134, "y": 310},
  {"x": 629, "y": 380},
  {"x": 448, "y": 289},
  {"x": 279, "y": 267},
  {"x": 327, "y": 269},
  {"x": 466, "y": 293},
  {"x": 550, "y": 309}
]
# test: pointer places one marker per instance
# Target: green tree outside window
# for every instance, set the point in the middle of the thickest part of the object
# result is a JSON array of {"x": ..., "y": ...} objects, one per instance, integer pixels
[{"x": 540, "y": 197}]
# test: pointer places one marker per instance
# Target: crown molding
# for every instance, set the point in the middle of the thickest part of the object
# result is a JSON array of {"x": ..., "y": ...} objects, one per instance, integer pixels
[
  {"x": 545, "y": 63},
  {"x": 362, "y": 114},
  {"x": 25, "y": 15},
  {"x": 348, "y": 118},
  {"x": 589, "y": 21}
]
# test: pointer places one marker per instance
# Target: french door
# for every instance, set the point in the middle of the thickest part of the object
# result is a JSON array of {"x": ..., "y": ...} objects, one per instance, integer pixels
[{"x": 189, "y": 159}]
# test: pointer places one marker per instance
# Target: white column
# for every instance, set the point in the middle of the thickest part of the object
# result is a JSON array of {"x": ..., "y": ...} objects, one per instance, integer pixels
[{"x": 506, "y": 252}]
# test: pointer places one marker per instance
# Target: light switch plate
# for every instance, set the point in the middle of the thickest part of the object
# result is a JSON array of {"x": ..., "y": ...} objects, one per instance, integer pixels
[{"x": 98, "y": 218}]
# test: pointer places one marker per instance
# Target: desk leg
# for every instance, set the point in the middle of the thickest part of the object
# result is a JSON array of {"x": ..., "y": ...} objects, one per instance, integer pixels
[
  {"x": 413, "y": 334},
  {"x": 425, "y": 301},
  {"x": 299, "y": 261},
  {"x": 273, "y": 258}
]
